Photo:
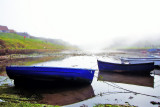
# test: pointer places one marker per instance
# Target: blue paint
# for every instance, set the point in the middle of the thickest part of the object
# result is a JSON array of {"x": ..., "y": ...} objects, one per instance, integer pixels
[
  {"x": 142, "y": 68},
  {"x": 50, "y": 73}
]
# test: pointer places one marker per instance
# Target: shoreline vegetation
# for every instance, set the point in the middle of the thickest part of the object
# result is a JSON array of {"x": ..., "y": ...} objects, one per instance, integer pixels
[{"x": 11, "y": 43}]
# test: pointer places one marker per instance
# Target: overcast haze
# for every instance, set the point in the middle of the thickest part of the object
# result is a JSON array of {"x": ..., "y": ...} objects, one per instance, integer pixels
[{"x": 83, "y": 22}]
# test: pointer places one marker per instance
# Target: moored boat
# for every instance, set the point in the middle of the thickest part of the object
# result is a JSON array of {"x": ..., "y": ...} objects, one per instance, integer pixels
[
  {"x": 141, "y": 60},
  {"x": 54, "y": 74},
  {"x": 141, "y": 68}
]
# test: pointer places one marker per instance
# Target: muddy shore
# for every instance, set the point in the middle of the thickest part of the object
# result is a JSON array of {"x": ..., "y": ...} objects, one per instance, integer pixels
[{"x": 27, "y": 51}]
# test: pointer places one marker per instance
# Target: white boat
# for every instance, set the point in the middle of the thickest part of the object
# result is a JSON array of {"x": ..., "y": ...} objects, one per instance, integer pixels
[{"x": 141, "y": 60}]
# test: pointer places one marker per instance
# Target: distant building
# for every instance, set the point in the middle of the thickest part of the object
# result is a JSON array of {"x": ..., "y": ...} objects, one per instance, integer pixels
[{"x": 4, "y": 29}]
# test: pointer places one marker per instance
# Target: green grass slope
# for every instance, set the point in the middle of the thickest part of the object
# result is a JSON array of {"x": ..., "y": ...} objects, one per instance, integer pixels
[{"x": 14, "y": 41}]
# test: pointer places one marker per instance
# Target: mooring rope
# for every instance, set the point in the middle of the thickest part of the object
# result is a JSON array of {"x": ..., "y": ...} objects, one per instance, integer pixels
[{"x": 116, "y": 86}]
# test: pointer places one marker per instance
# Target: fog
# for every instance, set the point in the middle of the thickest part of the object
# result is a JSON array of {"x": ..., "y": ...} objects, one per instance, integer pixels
[{"x": 90, "y": 24}]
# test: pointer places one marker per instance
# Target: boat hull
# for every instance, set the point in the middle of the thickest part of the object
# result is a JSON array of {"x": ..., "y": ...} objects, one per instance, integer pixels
[
  {"x": 141, "y": 60},
  {"x": 156, "y": 63},
  {"x": 50, "y": 73},
  {"x": 143, "y": 68}
]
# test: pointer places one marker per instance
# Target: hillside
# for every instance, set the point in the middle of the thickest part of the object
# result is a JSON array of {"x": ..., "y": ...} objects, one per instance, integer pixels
[{"x": 15, "y": 41}]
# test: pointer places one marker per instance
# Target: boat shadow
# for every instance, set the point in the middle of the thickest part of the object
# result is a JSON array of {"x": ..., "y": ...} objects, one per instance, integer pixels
[
  {"x": 58, "y": 83},
  {"x": 56, "y": 93},
  {"x": 140, "y": 80}
]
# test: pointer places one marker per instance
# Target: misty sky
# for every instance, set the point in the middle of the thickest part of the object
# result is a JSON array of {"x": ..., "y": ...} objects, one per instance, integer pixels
[{"x": 83, "y": 22}]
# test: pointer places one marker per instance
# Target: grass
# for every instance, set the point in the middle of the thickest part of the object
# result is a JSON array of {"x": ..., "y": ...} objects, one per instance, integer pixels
[
  {"x": 114, "y": 105},
  {"x": 12, "y": 97},
  {"x": 15, "y": 41},
  {"x": 24, "y": 104}
]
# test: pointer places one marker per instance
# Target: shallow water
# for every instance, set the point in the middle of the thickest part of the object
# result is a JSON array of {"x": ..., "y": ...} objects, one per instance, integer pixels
[
  {"x": 105, "y": 89},
  {"x": 114, "y": 88}
]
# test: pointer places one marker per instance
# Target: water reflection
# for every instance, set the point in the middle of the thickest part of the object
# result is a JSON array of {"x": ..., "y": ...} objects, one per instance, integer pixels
[
  {"x": 48, "y": 92},
  {"x": 76, "y": 96},
  {"x": 65, "y": 96},
  {"x": 26, "y": 61},
  {"x": 56, "y": 94},
  {"x": 140, "y": 80},
  {"x": 74, "y": 61}
]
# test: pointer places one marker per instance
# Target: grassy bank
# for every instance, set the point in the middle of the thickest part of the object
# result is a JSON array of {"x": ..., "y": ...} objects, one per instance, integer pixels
[
  {"x": 114, "y": 105},
  {"x": 14, "y": 41},
  {"x": 24, "y": 104},
  {"x": 15, "y": 97}
]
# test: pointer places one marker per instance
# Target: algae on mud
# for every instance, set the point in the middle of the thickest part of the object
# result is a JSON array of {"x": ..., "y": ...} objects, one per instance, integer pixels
[
  {"x": 114, "y": 105},
  {"x": 12, "y": 96},
  {"x": 24, "y": 104}
]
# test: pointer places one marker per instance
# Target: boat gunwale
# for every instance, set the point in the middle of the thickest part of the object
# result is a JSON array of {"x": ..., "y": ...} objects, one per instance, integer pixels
[
  {"x": 141, "y": 59},
  {"x": 123, "y": 64},
  {"x": 12, "y": 66}
]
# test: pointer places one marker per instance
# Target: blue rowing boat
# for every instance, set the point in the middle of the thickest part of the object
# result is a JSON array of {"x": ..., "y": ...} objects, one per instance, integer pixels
[
  {"x": 142, "y": 68},
  {"x": 19, "y": 73}
]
